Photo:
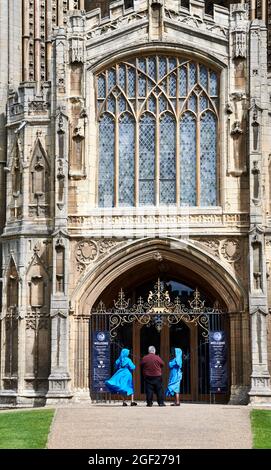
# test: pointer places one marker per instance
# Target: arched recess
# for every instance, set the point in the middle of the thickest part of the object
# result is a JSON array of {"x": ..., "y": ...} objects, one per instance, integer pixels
[
  {"x": 210, "y": 272},
  {"x": 128, "y": 264}
]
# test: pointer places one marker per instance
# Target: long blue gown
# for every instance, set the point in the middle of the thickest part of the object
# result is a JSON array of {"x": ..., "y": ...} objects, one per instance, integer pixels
[
  {"x": 175, "y": 375},
  {"x": 122, "y": 381}
]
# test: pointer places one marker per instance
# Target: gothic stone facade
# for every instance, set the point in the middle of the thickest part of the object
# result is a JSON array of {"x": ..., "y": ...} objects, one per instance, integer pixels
[{"x": 73, "y": 221}]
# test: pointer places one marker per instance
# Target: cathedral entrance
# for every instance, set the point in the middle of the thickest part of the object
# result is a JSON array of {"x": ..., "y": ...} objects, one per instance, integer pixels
[{"x": 165, "y": 313}]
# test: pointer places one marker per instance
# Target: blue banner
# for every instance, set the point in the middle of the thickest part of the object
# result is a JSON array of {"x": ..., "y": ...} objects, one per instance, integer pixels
[
  {"x": 218, "y": 362},
  {"x": 101, "y": 369}
]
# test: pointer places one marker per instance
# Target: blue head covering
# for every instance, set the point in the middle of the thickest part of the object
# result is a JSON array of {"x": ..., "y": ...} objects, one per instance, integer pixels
[
  {"x": 123, "y": 359},
  {"x": 178, "y": 356}
]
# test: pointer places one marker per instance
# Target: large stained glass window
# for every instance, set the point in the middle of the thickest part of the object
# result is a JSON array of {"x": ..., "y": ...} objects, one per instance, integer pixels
[{"x": 158, "y": 124}]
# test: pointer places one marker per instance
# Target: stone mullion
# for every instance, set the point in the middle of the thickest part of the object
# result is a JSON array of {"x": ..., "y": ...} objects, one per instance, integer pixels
[
  {"x": 136, "y": 162},
  {"x": 157, "y": 159},
  {"x": 177, "y": 140},
  {"x": 116, "y": 185},
  {"x": 198, "y": 159},
  {"x": 137, "y": 136}
]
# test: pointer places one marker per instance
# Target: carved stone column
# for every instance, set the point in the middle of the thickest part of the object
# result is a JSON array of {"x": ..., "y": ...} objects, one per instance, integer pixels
[
  {"x": 59, "y": 379},
  {"x": 260, "y": 377}
]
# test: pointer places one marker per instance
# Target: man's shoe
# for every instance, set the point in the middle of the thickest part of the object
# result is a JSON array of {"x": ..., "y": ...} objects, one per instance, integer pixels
[
  {"x": 162, "y": 404},
  {"x": 149, "y": 404},
  {"x": 175, "y": 404},
  {"x": 124, "y": 404},
  {"x": 133, "y": 403}
]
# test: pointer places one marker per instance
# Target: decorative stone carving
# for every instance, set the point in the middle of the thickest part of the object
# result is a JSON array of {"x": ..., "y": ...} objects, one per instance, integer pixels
[
  {"x": 39, "y": 182},
  {"x": 256, "y": 182},
  {"x": 239, "y": 31},
  {"x": 123, "y": 21},
  {"x": 255, "y": 123},
  {"x": 86, "y": 253},
  {"x": 106, "y": 245},
  {"x": 230, "y": 250}
]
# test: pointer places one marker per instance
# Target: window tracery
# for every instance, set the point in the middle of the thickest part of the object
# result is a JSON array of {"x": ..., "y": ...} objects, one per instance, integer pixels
[{"x": 158, "y": 122}]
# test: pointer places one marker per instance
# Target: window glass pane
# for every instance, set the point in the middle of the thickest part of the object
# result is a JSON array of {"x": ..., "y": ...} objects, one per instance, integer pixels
[
  {"x": 106, "y": 162},
  {"x": 188, "y": 160},
  {"x": 126, "y": 160},
  {"x": 131, "y": 82},
  {"x": 122, "y": 77},
  {"x": 147, "y": 160},
  {"x": 183, "y": 81},
  {"x": 111, "y": 104},
  {"x": 203, "y": 77},
  {"x": 213, "y": 84},
  {"x": 145, "y": 89},
  {"x": 152, "y": 68},
  {"x": 192, "y": 103},
  {"x": 192, "y": 75},
  {"x": 167, "y": 160},
  {"x": 162, "y": 67},
  {"x": 208, "y": 160},
  {"x": 111, "y": 79},
  {"x": 203, "y": 103},
  {"x": 101, "y": 87}
]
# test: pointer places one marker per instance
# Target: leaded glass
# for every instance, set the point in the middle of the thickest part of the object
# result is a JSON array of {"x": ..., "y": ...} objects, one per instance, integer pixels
[
  {"x": 167, "y": 160},
  {"x": 106, "y": 162},
  {"x": 172, "y": 63},
  {"x": 111, "y": 79},
  {"x": 172, "y": 85},
  {"x": 147, "y": 160},
  {"x": 101, "y": 87},
  {"x": 192, "y": 75},
  {"x": 142, "y": 64},
  {"x": 213, "y": 84},
  {"x": 142, "y": 86},
  {"x": 183, "y": 81},
  {"x": 111, "y": 104},
  {"x": 152, "y": 104},
  {"x": 203, "y": 103},
  {"x": 188, "y": 160},
  {"x": 126, "y": 160},
  {"x": 152, "y": 68},
  {"x": 122, "y": 104},
  {"x": 192, "y": 103},
  {"x": 162, "y": 67},
  {"x": 162, "y": 103},
  {"x": 151, "y": 100},
  {"x": 208, "y": 159},
  {"x": 122, "y": 77},
  {"x": 204, "y": 76},
  {"x": 131, "y": 82}
]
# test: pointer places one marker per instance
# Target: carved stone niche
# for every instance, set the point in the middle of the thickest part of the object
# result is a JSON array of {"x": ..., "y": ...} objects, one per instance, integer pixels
[
  {"x": 39, "y": 183},
  {"x": 12, "y": 286}
]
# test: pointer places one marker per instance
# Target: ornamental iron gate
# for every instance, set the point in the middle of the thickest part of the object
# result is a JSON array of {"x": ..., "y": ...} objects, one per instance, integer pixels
[{"x": 159, "y": 318}]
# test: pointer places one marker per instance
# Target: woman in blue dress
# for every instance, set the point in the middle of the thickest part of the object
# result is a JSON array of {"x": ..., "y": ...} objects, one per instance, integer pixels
[
  {"x": 122, "y": 381},
  {"x": 175, "y": 376}
]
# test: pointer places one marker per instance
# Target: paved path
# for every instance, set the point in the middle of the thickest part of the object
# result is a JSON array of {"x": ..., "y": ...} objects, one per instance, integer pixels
[{"x": 191, "y": 426}]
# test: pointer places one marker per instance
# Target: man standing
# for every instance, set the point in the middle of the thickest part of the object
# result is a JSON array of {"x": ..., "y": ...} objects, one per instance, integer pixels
[{"x": 152, "y": 370}]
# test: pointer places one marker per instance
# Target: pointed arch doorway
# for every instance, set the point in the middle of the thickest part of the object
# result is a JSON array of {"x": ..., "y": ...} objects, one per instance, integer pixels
[{"x": 166, "y": 312}]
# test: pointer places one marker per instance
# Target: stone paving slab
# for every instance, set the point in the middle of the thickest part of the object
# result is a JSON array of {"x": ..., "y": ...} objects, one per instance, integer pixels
[{"x": 190, "y": 426}]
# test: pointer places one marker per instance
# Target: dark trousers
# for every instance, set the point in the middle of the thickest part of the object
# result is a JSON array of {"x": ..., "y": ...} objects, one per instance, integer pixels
[{"x": 154, "y": 384}]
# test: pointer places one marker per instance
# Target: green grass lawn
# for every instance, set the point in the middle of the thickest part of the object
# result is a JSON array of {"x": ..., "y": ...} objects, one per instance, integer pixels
[
  {"x": 25, "y": 429},
  {"x": 261, "y": 429}
]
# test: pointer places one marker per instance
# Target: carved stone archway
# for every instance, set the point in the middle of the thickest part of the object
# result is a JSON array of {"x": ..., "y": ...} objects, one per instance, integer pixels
[{"x": 210, "y": 272}]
